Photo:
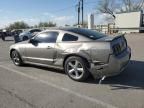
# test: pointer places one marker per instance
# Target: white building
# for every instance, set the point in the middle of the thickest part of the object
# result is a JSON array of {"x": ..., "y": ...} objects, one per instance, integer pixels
[{"x": 91, "y": 21}]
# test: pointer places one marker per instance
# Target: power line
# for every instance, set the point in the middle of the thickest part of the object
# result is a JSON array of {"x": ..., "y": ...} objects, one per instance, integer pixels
[
  {"x": 70, "y": 7},
  {"x": 64, "y": 9},
  {"x": 79, "y": 7},
  {"x": 90, "y": 2}
]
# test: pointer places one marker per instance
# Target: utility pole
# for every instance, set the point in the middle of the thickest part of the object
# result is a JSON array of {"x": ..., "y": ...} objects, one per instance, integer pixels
[
  {"x": 79, "y": 13},
  {"x": 82, "y": 11}
]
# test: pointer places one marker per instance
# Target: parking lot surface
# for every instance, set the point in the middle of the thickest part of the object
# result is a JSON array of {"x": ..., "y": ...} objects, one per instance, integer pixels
[{"x": 38, "y": 87}]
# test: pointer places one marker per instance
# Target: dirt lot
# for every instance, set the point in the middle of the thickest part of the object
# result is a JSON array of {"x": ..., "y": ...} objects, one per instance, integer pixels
[{"x": 38, "y": 87}]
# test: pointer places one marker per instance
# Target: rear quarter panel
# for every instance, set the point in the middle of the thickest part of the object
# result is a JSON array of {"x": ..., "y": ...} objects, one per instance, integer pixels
[{"x": 92, "y": 51}]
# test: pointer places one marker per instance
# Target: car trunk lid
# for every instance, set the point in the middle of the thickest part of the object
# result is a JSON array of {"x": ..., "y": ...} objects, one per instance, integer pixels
[{"x": 118, "y": 43}]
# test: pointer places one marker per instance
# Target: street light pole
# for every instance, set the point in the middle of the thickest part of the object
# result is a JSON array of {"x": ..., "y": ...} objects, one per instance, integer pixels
[
  {"x": 82, "y": 12},
  {"x": 79, "y": 13}
]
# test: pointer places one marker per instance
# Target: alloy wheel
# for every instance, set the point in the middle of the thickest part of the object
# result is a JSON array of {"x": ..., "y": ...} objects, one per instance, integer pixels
[
  {"x": 75, "y": 69},
  {"x": 15, "y": 58}
]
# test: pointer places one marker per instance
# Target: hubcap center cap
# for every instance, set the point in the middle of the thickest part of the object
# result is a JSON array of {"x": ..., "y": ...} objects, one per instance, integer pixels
[{"x": 75, "y": 68}]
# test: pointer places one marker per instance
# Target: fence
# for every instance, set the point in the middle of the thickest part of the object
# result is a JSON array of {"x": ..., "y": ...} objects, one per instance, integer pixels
[
  {"x": 107, "y": 29},
  {"x": 111, "y": 29}
]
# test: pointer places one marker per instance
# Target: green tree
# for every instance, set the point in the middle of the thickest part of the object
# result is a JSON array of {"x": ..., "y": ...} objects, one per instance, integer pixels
[
  {"x": 47, "y": 24},
  {"x": 18, "y": 25},
  {"x": 66, "y": 25}
]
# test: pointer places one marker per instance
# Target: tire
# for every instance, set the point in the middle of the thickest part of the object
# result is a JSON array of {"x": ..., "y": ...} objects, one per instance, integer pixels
[
  {"x": 3, "y": 38},
  {"x": 16, "y": 58},
  {"x": 77, "y": 68},
  {"x": 25, "y": 38}
]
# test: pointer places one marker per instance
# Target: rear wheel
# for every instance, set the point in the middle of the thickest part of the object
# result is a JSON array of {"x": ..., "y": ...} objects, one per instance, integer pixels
[
  {"x": 76, "y": 68},
  {"x": 16, "y": 58}
]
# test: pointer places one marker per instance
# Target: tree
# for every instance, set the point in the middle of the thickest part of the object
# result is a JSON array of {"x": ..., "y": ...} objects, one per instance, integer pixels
[
  {"x": 132, "y": 5},
  {"x": 18, "y": 25},
  {"x": 47, "y": 24},
  {"x": 112, "y": 6},
  {"x": 107, "y": 6},
  {"x": 66, "y": 25}
]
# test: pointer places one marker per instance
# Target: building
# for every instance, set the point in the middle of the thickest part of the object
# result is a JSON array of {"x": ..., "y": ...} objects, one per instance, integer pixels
[{"x": 91, "y": 21}]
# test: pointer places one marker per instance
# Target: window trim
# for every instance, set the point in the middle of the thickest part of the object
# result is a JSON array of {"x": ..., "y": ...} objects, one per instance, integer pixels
[
  {"x": 79, "y": 32},
  {"x": 71, "y": 35}
]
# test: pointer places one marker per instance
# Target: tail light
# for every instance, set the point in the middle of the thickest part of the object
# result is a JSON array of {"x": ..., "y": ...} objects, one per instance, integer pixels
[{"x": 120, "y": 44}]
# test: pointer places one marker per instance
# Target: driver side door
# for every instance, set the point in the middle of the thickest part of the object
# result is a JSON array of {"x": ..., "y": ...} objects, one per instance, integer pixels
[{"x": 42, "y": 50}]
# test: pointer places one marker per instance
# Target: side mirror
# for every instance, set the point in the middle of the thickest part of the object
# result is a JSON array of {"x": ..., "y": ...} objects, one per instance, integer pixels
[{"x": 33, "y": 41}]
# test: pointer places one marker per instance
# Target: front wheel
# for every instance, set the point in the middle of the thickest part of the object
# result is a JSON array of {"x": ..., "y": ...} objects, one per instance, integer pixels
[
  {"x": 3, "y": 38},
  {"x": 25, "y": 38},
  {"x": 16, "y": 58},
  {"x": 76, "y": 68}
]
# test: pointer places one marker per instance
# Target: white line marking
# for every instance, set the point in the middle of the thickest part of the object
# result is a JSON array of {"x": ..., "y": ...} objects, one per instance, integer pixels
[{"x": 61, "y": 88}]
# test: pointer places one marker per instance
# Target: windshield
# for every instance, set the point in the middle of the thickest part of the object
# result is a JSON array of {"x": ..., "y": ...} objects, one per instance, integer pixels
[
  {"x": 25, "y": 32},
  {"x": 92, "y": 34}
]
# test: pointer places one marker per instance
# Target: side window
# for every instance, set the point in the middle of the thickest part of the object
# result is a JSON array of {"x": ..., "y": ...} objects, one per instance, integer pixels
[
  {"x": 69, "y": 37},
  {"x": 35, "y": 30},
  {"x": 48, "y": 37},
  {"x": 31, "y": 31}
]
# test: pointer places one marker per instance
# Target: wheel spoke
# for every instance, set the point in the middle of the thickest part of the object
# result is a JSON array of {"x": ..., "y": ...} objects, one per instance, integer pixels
[
  {"x": 76, "y": 63},
  {"x": 17, "y": 59},
  {"x": 80, "y": 69},
  {"x": 14, "y": 60},
  {"x": 71, "y": 65},
  {"x": 77, "y": 74},
  {"x": 13, "y": 55},
  {"x": 71, "y": 71}
]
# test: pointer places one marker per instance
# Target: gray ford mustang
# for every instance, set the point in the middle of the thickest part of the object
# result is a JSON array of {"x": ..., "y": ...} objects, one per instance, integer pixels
[{"x": 80, "y": 52}]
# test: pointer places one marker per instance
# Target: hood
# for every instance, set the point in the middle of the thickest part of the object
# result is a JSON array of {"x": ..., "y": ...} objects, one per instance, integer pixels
[
  {"x": 18, "y": 44},
  {"x": 23, "y": 42}
]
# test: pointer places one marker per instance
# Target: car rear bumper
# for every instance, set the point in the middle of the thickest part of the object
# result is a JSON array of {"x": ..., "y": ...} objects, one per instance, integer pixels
[{"x": 115, "y": 66}]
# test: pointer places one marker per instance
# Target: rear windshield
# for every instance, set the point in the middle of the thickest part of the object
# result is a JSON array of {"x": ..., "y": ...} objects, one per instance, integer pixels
[{"x": 92, "y": 34}]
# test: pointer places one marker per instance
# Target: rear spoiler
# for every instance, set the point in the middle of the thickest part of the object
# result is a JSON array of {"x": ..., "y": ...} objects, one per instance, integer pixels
[{"x": 119, "y": 36}]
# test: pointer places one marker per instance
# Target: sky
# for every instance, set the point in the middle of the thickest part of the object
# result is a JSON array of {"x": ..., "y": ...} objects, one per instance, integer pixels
[{"x": 33, "y": 11}]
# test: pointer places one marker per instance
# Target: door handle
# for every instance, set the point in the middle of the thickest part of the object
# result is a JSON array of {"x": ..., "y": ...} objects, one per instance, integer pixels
[{"x": 49, "y": 47}]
